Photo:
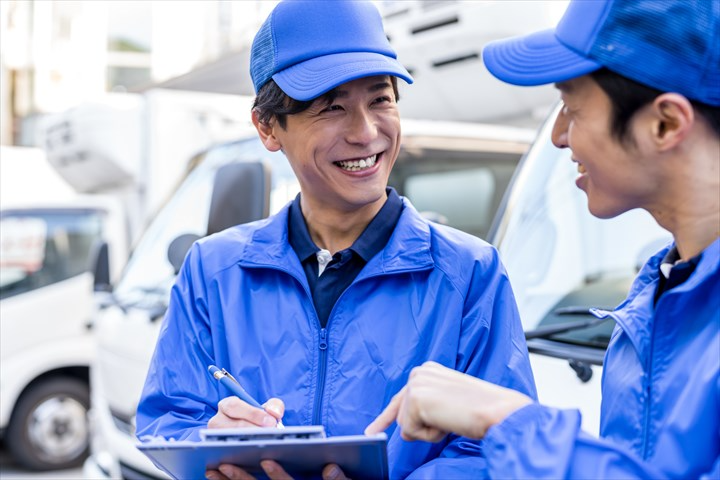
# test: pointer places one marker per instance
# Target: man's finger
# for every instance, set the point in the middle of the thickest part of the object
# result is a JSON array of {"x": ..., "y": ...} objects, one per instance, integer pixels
[
  {"x": 388, "y": 416},
  {"x": 275, "y": 407},
  {"x": 274, "y": 471},
  {"x": 333, "y": 472},
  {"x": 233, "y": 472},
  {"x": 236, "y": 409}
]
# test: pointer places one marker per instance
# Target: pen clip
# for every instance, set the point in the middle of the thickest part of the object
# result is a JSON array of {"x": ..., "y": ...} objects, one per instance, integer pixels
[{"x": 227, "y": 374}]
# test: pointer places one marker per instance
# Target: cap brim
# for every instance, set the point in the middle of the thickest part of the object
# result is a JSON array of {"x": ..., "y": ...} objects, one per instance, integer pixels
[
  {"x": 535, "y": 59},
  {"x": 310, "y": 79}
]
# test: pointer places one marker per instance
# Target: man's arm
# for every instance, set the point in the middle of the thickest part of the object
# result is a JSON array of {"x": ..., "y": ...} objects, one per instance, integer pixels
[
  {"x": 520, "y": 447},
  {"x": 179, "y": 397},
  {"x": 492, "y": 347}
]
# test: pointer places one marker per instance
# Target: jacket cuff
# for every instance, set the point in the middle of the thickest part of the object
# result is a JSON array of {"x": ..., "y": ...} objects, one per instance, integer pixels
[{"x": 513, "y": 425}]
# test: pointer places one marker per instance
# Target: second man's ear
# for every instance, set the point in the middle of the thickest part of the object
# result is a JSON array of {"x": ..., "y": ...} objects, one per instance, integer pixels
[
  {"x": 674, "y": 119},
  {"x": 266, "y": 131}
]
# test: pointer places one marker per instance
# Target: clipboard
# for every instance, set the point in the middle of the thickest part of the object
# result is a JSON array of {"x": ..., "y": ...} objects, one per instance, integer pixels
[{"x": 302, "y": 452}]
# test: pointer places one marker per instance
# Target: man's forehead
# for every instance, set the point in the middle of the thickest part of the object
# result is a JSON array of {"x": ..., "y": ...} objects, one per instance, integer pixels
[{"x": 369, "y": 84}]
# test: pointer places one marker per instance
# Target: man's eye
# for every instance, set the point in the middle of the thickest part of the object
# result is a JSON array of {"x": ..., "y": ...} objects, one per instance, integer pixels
[
  {"x": 332, "y": 108},
  {"x": 383, "y": 99}
]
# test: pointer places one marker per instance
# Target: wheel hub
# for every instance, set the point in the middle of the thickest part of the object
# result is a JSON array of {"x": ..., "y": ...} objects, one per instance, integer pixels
[{"x": 58, "y": 428}]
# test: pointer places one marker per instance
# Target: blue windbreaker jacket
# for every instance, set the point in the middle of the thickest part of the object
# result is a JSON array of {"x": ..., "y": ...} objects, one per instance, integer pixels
[
  {"x": 242, "y": 302},
  {"x": 660, "y": 413}
]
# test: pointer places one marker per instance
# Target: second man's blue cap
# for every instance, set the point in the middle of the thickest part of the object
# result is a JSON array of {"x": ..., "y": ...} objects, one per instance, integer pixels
[
  {"x": 310, "y": 47},
  {"x": 669, "y": 45}
]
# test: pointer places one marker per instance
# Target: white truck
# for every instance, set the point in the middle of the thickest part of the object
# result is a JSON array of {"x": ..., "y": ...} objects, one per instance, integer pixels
[
  {"x": 48, "y": 236},
  {"x": 135, "y": 146},
  {"x": 560, "y": 259},
  {"x": 439, "y": 168}
]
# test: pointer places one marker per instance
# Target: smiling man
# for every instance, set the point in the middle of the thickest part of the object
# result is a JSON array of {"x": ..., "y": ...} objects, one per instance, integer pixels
[
  {"x": 325, "y": 307},
  {"x": 640, "y": 86}
]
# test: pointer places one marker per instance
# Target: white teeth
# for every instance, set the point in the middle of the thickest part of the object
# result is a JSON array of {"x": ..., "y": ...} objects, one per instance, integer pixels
[{"x": 357, "y": 165}]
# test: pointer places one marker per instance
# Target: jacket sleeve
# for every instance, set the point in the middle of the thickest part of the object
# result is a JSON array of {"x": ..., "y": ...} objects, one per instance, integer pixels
[
  {"x": 542, "y": 442},
  {"x": 178, "y": 398},
  {"x": 492, "y": 347}
]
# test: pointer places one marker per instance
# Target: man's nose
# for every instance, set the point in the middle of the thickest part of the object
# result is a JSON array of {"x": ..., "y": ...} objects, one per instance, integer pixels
[
  {"x": 560, "y": 130},
  {"x": 362, "y": 128}
]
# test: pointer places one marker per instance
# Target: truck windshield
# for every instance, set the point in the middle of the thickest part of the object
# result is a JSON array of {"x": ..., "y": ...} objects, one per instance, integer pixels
[
  {"x": 40, "y": 247},
  {"x": 149, "y": 275},
  {"x": 557, "y": 254}
]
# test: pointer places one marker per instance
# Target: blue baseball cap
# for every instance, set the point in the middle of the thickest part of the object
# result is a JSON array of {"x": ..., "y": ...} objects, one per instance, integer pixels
[
  {"x": 311, "y": 47},
  {"x": 669, "y": 45}
]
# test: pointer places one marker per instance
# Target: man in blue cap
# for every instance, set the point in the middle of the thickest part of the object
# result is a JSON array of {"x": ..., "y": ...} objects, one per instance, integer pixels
[
  {"x": 640, "y": 85},
  {"x": 330, "y": 303}
]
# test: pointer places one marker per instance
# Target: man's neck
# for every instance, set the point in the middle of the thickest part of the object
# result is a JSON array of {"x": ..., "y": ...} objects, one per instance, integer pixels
[
  {"x": 691, "y": 206},
  {"x": 336, "y": 230}
]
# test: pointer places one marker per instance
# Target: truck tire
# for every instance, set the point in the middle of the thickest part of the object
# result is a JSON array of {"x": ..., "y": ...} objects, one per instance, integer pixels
[{"x": 48, "y": 429}]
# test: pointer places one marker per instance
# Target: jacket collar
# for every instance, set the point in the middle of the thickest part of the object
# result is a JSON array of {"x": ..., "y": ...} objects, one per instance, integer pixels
[
  {"x": 408, "y": 247},
  {"x": 636, "y": 314}
]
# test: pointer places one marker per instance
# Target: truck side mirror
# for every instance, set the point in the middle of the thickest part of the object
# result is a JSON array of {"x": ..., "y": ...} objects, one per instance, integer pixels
[
  {"x": 101, "y": 268},
  {"x": 241, "y": 194},
  {"x": 178, "y": 248}
]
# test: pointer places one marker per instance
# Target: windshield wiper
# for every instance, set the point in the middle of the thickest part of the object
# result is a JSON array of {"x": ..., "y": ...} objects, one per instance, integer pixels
[{"x": 551, "y": 330}]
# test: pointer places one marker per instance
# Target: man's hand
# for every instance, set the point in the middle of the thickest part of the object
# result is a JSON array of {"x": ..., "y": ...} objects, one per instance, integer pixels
[
  {"x": 438, "y": 400},
  {"x": 234, "y": 413},
  {"x": 272, "y": 469}
]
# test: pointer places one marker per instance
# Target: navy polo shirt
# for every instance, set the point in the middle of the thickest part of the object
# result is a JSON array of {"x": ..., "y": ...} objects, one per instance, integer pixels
[
  {"x": 346, "y": 264},
  {"x": 674, "y": 272}
]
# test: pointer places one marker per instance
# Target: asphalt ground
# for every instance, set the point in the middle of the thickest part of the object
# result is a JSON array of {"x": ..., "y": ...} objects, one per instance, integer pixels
[{"x": 9, "y": 470}]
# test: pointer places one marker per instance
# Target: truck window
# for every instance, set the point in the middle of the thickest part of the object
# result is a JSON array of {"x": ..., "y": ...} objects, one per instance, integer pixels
[
  {"x": 42, "y": 247},
  {"x": 459, "y": 189}
]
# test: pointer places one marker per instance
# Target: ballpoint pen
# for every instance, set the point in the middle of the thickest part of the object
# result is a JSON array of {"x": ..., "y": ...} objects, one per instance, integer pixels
[{"x": 224, "y": 377}]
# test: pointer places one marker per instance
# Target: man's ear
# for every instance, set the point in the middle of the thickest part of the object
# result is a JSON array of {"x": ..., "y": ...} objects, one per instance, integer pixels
[
  {"x": 266, "y": 131},
  {"x": 673, "y": 119}
]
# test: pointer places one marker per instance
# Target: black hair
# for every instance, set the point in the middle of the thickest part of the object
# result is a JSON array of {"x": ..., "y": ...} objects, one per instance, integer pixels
[
  {"x": 271, "y": 102},
  {"x": 628, "y": 96}
]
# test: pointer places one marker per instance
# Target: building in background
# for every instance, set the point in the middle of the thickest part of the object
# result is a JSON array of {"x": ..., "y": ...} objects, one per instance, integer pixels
[{"x": 57, "y": 54}]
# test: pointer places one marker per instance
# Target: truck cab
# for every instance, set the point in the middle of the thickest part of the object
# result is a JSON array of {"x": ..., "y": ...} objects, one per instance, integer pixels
[
  {"x": 435, "y": 158},
  {"x": 486, "y": 180},
  {"x": 564, "y": 263},
  {"x": 47, "y": 241}
]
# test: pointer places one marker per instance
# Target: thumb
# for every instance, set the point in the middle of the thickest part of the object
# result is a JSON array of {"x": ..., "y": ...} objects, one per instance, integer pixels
[{"x": 275, "y": 407}]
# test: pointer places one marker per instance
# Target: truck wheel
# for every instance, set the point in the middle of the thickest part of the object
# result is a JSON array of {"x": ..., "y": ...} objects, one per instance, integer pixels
[{"x": 49, "y": 426}]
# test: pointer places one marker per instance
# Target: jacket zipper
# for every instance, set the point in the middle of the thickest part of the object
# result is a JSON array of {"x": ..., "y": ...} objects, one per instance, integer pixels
[
  {"x": 321, "y": 376},
  {"x": 648, "y": 393},
  {"x": 323, "y": 345}
]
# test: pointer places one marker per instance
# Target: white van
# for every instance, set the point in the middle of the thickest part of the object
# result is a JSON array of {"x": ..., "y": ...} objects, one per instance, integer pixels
[
  {"x": 48, "y": 236},
  {"x": 46, "y": 303},
  {"x": 468, "y": 176},
  {"x": 439, "y": 169},
  {"x": 563, "y": 262}
]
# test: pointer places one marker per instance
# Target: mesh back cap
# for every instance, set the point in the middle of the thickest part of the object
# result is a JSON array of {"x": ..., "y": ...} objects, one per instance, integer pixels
[
  {"x": 670, "y": 45},
  {"x": 311, "y": 47}
]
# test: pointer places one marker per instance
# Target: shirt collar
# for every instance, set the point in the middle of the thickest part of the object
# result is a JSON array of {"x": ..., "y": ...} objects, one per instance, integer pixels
[
  {"x": 672, "y": 258},
  {"x": 380, "y": 229},
  {"x": 298, "y": 234},
  {"x": 368, "y": 244}
]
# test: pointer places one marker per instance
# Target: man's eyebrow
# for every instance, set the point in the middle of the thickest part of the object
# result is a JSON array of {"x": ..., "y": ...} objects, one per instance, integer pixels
[
  {"x": 340, "y": 93},
  {"x": 379, "y": 86},
  {"x": 563, "y": 86}
]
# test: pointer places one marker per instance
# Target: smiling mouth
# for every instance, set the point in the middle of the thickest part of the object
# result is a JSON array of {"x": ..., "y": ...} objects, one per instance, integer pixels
[
  {"x": 357, "y": 165},
  {"x": 580, "y": 167}
]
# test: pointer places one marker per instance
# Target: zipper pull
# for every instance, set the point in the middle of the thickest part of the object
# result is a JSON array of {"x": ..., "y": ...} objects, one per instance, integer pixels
[{"x": 323, "y": 339}]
